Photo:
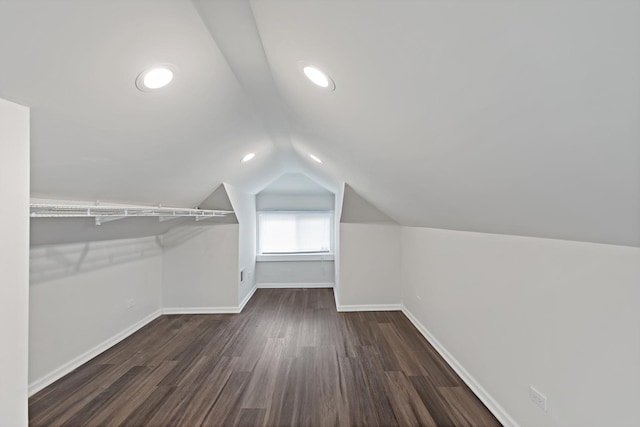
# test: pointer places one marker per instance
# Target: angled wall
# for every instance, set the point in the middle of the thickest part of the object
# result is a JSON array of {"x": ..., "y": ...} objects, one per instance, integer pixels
[
  {"x": 370, "y": 251},
  {"x": 14, "y": 267},
  {"x": 244, "y": 206},
  {"x": 507, "y": 312},
  {"x": 200, "y": 263},
  {"x": 513, "y": 312}
]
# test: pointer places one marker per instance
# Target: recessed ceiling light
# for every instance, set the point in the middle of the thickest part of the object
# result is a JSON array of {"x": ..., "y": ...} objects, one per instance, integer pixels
[
  {"x": 319, "y": 77},
  {"x": 155, "y": 77},
  {"x": 248, "y": 157},
  {"x": 315, "y": 158}
]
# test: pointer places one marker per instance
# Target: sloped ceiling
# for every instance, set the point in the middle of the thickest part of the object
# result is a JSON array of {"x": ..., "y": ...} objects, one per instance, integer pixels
[
  {"x": 516, "y": 117},
  {"x": 95, "y": 136}
]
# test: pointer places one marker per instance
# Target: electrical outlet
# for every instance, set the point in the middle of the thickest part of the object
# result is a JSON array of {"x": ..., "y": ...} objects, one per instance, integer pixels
[
  {"x": 538, "y": 398},
  {"x": 131, "y": 303}
]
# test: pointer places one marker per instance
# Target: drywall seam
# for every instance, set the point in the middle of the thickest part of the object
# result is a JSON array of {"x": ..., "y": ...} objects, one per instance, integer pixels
[
  {"x": 477, "y": 389},
  {"x": 63, "y": 370},
  {"x": 293, "y": 285},
  {"x": 368, "y": 307}
]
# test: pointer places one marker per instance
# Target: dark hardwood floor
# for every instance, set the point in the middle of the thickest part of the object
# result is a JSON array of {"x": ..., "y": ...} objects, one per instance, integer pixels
[{"x": 288, "y": 359}]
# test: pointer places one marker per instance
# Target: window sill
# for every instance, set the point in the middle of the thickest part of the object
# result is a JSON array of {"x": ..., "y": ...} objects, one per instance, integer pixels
[{"x": 295, "y": 257}]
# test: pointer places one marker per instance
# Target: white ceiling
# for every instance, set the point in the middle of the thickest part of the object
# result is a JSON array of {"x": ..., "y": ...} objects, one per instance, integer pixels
[
  {"x": 94, "y": 135},
  {"x": 516, "y": 117}
]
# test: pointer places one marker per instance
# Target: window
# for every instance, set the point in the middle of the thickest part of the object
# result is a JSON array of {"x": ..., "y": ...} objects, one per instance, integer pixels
[{"x": 286, "y": 233}]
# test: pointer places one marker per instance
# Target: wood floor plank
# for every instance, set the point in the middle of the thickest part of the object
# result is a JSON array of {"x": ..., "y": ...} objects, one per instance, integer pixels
[
  {"x": 437, "y": 371},
  {"x": 289, "y": 359},
  {"x": 251, "y": 417},
  {"x": 433, "y": 401},
  {"x": 61, "y": 395},
  {"x": 146, "y": 410},
  {"x": 196, "y": 403},
  {"x": 259, "y": 391},
  {"x": 287, "y": 407},
  {"x": 56, "y": 416},
  {"x": 409, "y": 409},
  {"x": 226, "y": 410},
  {"x": 191, "y": 402},
  {"x": 72, "y": 400},
  {"x": 84, "y": 416},
  {"x": 125, "y": 403},
  {"x": 373, "y": 366},
  {"x": 465, "y": 408},
  {"x": 331, "y": 401},
  {"x": 404, "y": 353},
  {"x": 360, "y": 404}
]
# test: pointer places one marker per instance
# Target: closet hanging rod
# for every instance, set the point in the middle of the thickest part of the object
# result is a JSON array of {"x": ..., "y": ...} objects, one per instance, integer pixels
[{"x": 42, "y": 210}]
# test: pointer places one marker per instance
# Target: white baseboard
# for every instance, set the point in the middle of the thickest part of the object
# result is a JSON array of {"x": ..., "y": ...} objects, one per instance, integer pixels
[
  {"x": 63, "y": 370},
  {"x": 369, "y": 307},
  {"x": 491, "y": 404},
  {"x": 293, "y": 285},
  {"x": 201, "y": 310},
  {"x": 247, "y": 298},
  {"x": 210, "y": 310}
]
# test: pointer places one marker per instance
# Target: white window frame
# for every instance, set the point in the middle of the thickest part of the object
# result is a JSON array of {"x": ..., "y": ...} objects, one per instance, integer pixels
[{"x": 297, "y": 256}]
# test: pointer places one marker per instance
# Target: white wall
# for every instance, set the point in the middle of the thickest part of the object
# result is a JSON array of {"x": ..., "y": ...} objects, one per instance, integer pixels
[
  {"x": 200, "y": 267},
  {"x": 244, "y": 206},
  {"x": 85, "y": 297},
  {"x": 302, "y": 202},
  {"x": 369, "y": 264},
  {"x": 14, "y": 262},
  {"x": 80, "y": 296},
  {"x": 515, "y": 311},
  {"x": 339, "y": 200},
  {"x": 295, "y": 272}
]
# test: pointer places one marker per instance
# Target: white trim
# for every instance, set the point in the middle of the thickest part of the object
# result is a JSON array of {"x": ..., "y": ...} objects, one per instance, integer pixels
[
  {"x": 295, "y": 257},
  {"x": 63, "y": 370},
  {"x": 247, "y": 298},
  {"x": 293, "y": 285},
  {"x": 368, "y": 307},
  {"x": 211, "y": 310},
  {"x": 201, "y": 310},
  {"x": 335, "y": 296},
  {"x": 491, "y": 404}
]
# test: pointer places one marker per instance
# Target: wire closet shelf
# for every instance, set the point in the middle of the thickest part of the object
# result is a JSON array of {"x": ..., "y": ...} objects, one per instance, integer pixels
[{"x": 111, "y": 213}]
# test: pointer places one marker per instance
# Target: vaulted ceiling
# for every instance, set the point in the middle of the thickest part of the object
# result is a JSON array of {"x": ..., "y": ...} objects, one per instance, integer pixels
[{"x": 516, "y": 117}]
